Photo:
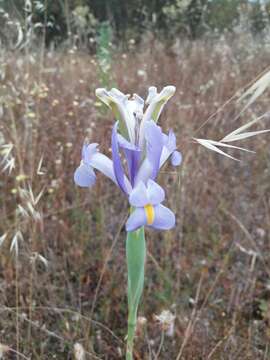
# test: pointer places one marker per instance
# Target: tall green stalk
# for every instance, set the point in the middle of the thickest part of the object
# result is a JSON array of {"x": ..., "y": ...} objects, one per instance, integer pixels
[
  {"x": 136, "y": 252},
  {"x": 104, "y": 54}
]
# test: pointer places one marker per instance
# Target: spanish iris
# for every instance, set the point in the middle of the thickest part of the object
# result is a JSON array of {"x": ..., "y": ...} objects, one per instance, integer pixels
[
  {"x": 136, "y": 137},
  {"x": 139, "y": 149}
]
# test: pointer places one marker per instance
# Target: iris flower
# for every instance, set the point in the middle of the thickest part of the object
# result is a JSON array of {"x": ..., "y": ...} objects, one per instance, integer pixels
[
  {"x": 139, "y": 150},
  {"x": 140, "y": 140}
]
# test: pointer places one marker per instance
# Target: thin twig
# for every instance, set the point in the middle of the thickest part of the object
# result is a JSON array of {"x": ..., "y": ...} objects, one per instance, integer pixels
[
  {"x": 107, "y": 259},
  {"x": 50, "y": 334},
  {"x": 18, "y": 353},
  {"x": 190, "y": 326},
  {"x": 218, "y": 344},
  {"x": 249, "y": 237},
  {"x": 160, "y": 345},
  {"x": 102, "y": 274},
  {"x": 71, "y": 311},
  {"x": 196, "y": 314}
]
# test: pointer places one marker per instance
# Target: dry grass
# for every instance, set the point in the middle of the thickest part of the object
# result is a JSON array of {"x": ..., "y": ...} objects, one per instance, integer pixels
[{"x": 212, "y": 271}]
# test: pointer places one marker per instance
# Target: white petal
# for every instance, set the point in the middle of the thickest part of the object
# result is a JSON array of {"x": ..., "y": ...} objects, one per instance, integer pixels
[
  {"x": 156, "y": 103},
  {"x": 116, "y": 100}
]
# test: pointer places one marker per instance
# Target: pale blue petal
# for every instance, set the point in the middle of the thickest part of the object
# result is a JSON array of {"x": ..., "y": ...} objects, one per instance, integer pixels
[
  {"x": 164, "y": 218},
  {"x": 155, "y": 193},
  {"x": 125, "y": 143},
  {"x": 138, "y": 196},
  {"x": 154, "y": 145},
  {"x": 176, "y": 158},
  {"x": 164, "y": 156},
  {"x": 88, "y": 150},
  {"x": 136, "y": 219},
  {"x": 117, "y": 165},
  {"x": 171, "y": 141},
  {"x": 169, "y": 147},
  {"x": 133, "y": 154},
  {"x": 144, "y": 173},
  {"x": 103, "y": 164},
  {"x": 84, "y": 176}
]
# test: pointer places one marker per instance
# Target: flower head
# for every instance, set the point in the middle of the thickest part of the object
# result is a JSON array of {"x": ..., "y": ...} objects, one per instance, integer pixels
[
  {"x": 130, "y": 111},
  {"x": 137, "y": 137}
]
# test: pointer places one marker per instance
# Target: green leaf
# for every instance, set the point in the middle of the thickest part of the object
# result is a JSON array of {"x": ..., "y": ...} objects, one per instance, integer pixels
[{"x": 136, "y": 252}]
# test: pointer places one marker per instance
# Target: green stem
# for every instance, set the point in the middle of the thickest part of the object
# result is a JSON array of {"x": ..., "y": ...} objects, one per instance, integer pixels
[
  {"x": 135, "y": 248},
  {"x": 132, "y": 319}
]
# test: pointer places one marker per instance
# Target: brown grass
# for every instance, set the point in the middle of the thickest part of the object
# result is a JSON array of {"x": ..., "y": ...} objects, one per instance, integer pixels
[{"x": 212, "y": 270}]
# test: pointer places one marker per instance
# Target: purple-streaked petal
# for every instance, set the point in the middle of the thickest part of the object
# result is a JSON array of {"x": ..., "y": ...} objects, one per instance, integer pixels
[
  {"x": 133, "y": 158},
  {"x": 133, "y": 154},
  {"x": 155, "y": 193},
  {"x": 176, "y": 158},
  {"x": 154, "y": 145},
  {"x": 117, "y": 165},
  {"x": 84, "y": 176},
  {"x": 136, "y": 219},
  {"x": 138, "y": 196},
  {"x": 164, "y": 218}
]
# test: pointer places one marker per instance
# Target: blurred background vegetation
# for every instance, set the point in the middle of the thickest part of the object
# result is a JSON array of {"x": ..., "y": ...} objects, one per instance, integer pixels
[{"x": 79, "y": 21}]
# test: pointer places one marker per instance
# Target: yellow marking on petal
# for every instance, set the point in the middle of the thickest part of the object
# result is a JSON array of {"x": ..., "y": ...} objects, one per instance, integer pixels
[{"x": 150, "y": 213}]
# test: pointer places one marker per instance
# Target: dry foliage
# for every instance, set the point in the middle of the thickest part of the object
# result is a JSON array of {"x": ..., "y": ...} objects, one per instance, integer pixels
[{"x": 211, "y": 271}]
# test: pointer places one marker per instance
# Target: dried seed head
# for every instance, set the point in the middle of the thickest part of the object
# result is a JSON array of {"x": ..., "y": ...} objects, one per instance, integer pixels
[
  {"x": 166, "y": 320},
  {"x": 79, "y": 352},
  {"x": 141, "y": 322},
  {"x": 3, "y": 349}
]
